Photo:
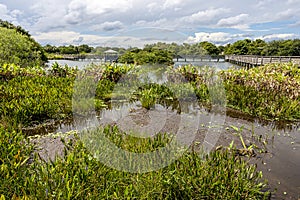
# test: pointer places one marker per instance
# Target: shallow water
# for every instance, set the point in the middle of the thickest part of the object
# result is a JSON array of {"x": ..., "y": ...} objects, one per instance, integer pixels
[
  {"x": 280, "y": 165},
  {"x": 81, "y": 64}
]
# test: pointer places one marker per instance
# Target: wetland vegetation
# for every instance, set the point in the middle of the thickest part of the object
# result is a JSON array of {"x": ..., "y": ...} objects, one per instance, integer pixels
[{"x": 31, "y": 95}]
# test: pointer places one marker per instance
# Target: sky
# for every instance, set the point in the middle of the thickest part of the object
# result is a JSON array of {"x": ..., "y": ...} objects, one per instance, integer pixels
[{"x": 133, "y": 23}]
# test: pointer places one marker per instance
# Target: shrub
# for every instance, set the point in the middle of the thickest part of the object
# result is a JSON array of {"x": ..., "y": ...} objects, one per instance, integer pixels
[{"x": 19, "y": 48}]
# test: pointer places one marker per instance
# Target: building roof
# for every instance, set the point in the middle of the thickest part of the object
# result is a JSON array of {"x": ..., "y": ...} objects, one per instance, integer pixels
[{"x": 110, "y": 51}]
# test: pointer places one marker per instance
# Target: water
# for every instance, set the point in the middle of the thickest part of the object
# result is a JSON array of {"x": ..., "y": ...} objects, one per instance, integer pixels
[
  {"x": 81, "y": 64},
  {"x": 72, "y": 63},
  {"x": 217, "y": 65}
]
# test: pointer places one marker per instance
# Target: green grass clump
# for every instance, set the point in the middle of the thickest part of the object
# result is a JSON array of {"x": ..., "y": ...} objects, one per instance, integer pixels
[
  {"x": 14, "y": 157},
  {"x": 26, "y": 99},
  {"x": 77, "y": 175},
  {"x": 271, "y": 91}
]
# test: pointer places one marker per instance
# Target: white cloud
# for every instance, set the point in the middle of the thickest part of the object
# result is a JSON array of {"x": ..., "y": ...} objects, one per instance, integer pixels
[
  {"x": 155, "y": 23},
  {"x": 173, "y": 3},
  {"x": 219, "y": 38},
  {"x": 108, "y": 26},
  {"x": 152, "y": 6},
  {"x": 57, "y": 37},
  {"x": 101, "y": 7},
  {"x": 99, "y": 17},
  {"x": 239, "y": 22},
  {"x": 263, "y": 3},
  {"x": 287, "y": 14},
  {"x": 9, "y": 15},
  {"x": 75, "y": 38},
  {"x": 281, "y": 36},
  {"x": 293, "y": 1},
  {"x": 205, "y": 16},
  {"x": 296, "y": 24}
]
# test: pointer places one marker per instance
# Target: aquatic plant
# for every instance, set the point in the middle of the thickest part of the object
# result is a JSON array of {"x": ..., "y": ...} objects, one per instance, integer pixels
[
  {"x": 26, "y": 100},
  {"x": 15, "y": 154},
  {"x": 271, "y": 91},
  {"x": 78, "y": 175}
]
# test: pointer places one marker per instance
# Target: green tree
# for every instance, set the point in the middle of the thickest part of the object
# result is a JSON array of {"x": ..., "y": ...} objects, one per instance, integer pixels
[
  {"x": 210, "y": 48},
  {"x": 256, "y": 47},
  {"x": 84, "y": 48},
  {"x": 51, "y": 49},
  {"x": 295, "y": 47},
  {"x": 240, "y": 47},
  {"x": 127, "y": 57},
  {"x": 148, "y": 55},
  {"x": 221, "y": 49},
  {"x": 272, "y": 49},
  {"x": 68, "y": 49}
]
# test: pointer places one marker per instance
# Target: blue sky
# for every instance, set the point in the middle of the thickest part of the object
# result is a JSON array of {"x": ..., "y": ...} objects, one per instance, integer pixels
[{"x": 137, "y": 22}]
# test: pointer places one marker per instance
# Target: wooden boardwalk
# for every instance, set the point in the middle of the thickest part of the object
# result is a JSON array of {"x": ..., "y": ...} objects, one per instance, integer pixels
[
  {"x": 252, "y": 61},
  {"x": 198, "y": 58}
]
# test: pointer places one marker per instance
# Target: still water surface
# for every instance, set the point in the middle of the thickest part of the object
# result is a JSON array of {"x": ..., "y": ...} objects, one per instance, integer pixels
[{"x": 84, "y": 63}]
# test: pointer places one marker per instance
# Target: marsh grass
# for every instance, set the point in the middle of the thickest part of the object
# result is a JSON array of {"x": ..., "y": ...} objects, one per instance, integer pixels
[
  {"x": 270, "y": 91},
  {"x": 32, "y": 95},
  {"x": 78, "y": 175},
  {"x": 34, "y": 99}
]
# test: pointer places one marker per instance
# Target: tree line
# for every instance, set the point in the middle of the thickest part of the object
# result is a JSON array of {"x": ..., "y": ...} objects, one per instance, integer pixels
[{"x": 289, "y": 47}]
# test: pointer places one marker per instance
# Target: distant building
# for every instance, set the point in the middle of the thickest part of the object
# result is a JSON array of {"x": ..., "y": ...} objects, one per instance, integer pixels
[{"x": 111, "y": 55}]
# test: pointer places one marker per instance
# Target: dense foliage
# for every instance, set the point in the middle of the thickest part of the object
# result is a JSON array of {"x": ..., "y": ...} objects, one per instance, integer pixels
[
  {"x": 16, "y": 46},
  {"x": 71, "y": 49},
  {"x": 240, "y": 47},
  {"x": 260, "y": 47},
  {"x": 153, "y": 56},
  {"x": 32, "y": 95}
]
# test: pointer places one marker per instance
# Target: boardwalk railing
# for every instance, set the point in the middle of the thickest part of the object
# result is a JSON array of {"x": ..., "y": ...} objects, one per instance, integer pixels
[
  {"x": 198, "y": 58},
  {"x": 251, "y": 60}
]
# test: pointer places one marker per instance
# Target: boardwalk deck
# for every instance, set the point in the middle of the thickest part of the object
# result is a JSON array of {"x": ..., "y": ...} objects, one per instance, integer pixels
[{"x": 251, "y": 61}]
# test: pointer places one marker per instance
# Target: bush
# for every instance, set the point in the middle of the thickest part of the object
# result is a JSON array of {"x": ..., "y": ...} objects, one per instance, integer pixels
[{"x": 19, "y": 48}]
